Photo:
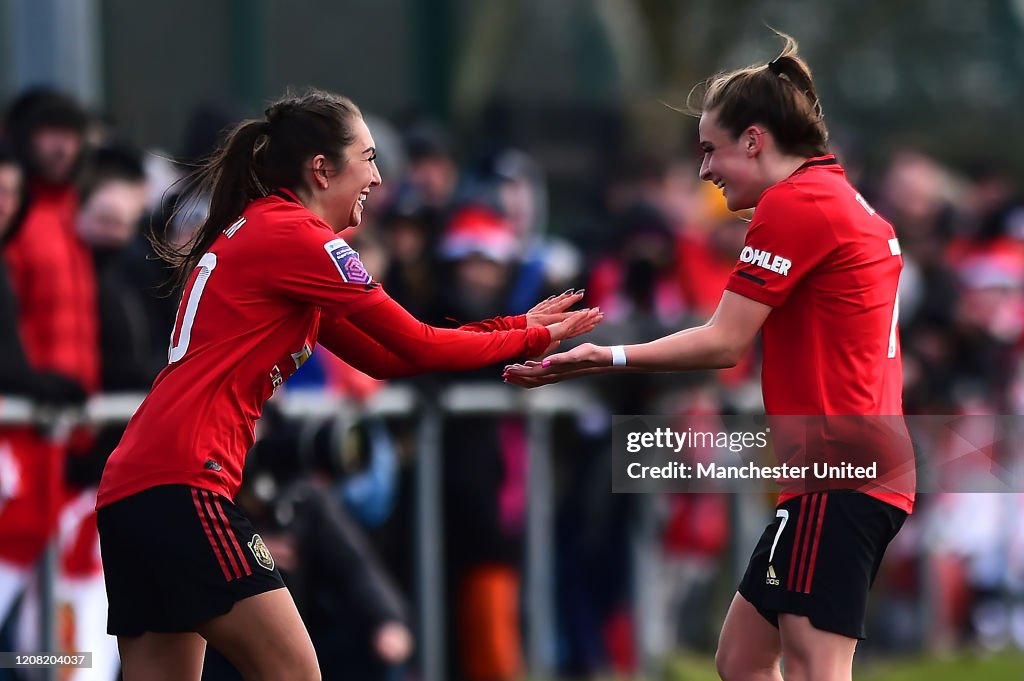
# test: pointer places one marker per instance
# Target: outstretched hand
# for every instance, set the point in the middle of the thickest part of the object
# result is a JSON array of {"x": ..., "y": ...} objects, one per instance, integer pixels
[
  {"x": 580, "y": 361},
  {"x": 573, "y": 324},
  {"x": 553, "y": 309}
]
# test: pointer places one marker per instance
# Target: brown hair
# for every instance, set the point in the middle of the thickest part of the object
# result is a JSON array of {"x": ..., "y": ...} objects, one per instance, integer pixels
[
  {"x": 779, "y": 95},
  {"x": 258, "y": 156}
]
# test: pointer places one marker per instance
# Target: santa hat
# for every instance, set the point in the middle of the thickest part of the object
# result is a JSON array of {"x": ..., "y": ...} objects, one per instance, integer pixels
[{"x": 480, "y": 231}]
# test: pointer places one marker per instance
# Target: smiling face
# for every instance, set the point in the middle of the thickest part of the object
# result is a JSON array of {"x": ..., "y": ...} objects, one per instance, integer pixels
[
  {"x": 731, "y": 163},
  {"x": 349, "y": 181}
]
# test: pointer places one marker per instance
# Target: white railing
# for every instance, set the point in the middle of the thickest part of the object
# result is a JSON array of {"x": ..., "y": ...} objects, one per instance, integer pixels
[{"x": 538, "y": 406}]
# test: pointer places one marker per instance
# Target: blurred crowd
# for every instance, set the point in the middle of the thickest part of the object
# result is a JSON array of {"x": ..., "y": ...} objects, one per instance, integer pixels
[{"x": 456, "y": 237}]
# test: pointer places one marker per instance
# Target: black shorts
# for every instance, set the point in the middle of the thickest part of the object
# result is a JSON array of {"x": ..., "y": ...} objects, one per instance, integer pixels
[
  {"x": 827, "y": 550},
  {"x": 175, "y": 556}
]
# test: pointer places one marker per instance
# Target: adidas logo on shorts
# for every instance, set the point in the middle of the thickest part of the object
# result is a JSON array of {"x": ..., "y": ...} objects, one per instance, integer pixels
[{"x": 772, "y": 580}]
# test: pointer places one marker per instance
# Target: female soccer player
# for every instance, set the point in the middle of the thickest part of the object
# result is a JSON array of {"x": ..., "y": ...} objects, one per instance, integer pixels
[
  {"x": 265, "y": 277},
  {"x": 817, "y": 276}
]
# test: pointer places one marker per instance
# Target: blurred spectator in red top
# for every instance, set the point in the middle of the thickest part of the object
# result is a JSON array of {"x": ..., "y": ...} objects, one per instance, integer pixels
[
  {"x": 709, "y": 243},
  {"x": 51, "y": 270},
  {"x": 637, "y": 274}
]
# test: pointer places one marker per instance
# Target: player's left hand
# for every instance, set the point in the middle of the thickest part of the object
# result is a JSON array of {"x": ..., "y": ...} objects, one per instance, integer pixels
[{"x": 553, "y": 309}]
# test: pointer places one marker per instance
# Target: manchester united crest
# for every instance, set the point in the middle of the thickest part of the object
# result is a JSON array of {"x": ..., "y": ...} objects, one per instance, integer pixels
[{"x": 261, "y": 552}]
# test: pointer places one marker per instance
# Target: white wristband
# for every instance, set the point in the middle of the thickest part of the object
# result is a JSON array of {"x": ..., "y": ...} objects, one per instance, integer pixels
[{"x": 618, "y": 356}]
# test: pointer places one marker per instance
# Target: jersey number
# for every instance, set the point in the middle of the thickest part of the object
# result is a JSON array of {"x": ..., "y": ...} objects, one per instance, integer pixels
[
  {"x": 206, "y": 266},
  {"x": 894, "y": 249},
  {"x": 784, "y": 514},
  {"x": 895, "y": 324}
]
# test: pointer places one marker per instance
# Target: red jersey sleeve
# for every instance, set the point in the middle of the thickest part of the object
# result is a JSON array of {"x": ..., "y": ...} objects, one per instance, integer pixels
[
  {"x": 496, "y": 324},
  {"x": 313, "y": 265},
  {"x": 348, "y": 342},
  {"x": 385, "y": 341},
  {"x": 788, "y": 237}
]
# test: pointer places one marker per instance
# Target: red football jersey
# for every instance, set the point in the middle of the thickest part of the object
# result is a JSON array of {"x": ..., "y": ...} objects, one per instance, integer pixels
[
  {"x": 829, "y": 266},
  {"x": 248, "y": 318}
]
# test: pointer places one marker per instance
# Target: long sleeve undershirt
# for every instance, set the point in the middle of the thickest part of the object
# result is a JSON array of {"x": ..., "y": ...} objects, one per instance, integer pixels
[{"x": 385, "y": 341}]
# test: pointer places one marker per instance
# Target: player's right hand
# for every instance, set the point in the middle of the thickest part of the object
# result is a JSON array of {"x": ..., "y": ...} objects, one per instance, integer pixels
[{"x": 582, "y": 360}]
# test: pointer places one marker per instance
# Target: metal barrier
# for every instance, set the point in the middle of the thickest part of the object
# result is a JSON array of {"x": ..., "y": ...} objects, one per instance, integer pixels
[
  {"x": 538, "y": 406},
  {"x": 428, "y": 411}
]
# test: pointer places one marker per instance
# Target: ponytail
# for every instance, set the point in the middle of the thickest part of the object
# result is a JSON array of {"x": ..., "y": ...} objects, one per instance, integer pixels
[
  {"x": 791, "y": 68},
  {"x": 229, "y": 179}
]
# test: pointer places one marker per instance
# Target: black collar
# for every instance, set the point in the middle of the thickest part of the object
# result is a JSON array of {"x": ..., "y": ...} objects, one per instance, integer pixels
[
  {"x": 286, "y": 195},
  {"x": 829, "y": 160}
]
